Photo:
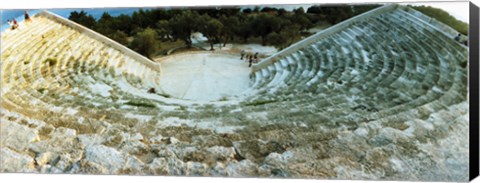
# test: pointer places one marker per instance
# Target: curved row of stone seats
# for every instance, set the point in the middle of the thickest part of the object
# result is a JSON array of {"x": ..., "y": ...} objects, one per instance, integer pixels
[
  {"x": 415, "y": 63},
  {"x": 27, "y": 70}
]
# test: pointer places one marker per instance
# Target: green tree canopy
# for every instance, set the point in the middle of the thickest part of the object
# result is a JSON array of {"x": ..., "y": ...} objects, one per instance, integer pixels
[
  {"x": 145, "y": 42},
  {"x": 230, "y": 23},
  {"x": 82, "y": 18},
  {"x": 211, "y": 28},
  {"x": 264, "y": 24},
  {"x": 164, "y": 30},
  {"x": 184, "y": 24}
]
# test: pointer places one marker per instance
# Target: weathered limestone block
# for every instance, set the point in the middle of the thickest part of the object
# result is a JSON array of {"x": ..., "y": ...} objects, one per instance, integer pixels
[
  {"x": 89, "y": 139},
  {"x": 194, "y": 169},
  {"x": 16, "y": 136},
  {"x": 104, "y": 156},
  {"x": 46, "y": 158},
  {"x": 221, "y": 153},
  {"x": 12, "y": 161},
  {"x": 244, "y": 168},
  {"x": 167, "y": 166},
  {"x": 387, "y": 136}
]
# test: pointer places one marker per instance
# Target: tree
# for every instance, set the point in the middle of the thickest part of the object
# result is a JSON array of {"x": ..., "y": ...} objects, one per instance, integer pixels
[
  {"x": 125, "y": 24},
  {"x": 268, "y": 9},
  {"x": 282, "y": 12},
  {"x": 299, "y": 11},
  {"x": 302, "y": 20},
  {"x": 230, "y": 23},
  {"x": 83, "y": 19},
  {"x": 256, "y": 9},
  {"x": 290, "y": 32},
  {"x": 315, "y": 10},
  {"x": 359, "y": 9},
  {"x": 333, "y": 14},
  {"x": 265, "y": 24},
  {"x": 105, "y": 24},
  {"x": 244, "y": 28},
  {"x": 145, "y": 42},
  {"x": 277, "y": 39},
  {"x": 164, "y": 30},
  {"x": 120, "y": 37},
  {"x": 211, "y": 28},
  {"x": 247, "y": 10},
  {"x": 183, "y": 25}
]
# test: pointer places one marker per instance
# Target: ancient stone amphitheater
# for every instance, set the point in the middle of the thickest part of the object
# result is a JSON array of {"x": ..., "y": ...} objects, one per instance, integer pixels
[{"x": 383, "y": 95}]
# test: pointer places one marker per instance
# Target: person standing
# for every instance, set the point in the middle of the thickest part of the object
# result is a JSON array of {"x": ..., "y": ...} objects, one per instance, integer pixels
[
  {"x": 27, "y": 17},
  {"x": 457, "y": 38},
  {"x": 10, "y": 24},
  {"x": 242, "y": 53},
  {"x": 250, "y": 60},
  {"x": 15, "y": 24}
]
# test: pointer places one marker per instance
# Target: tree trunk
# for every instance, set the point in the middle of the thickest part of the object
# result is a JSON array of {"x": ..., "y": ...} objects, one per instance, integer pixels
[
  {"x": 188, "y": 42},
  {"x": 211, "y": 46},
  {"x": 225, "y": 41}
]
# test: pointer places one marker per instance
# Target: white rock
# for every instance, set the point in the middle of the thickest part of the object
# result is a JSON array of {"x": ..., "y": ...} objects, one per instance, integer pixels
[
  {"x": 45, "y": 158},
  {"x": 134, "y": 163},
  {"x": 88, "y": 140},
  {"x": 49, "y": 169},
  {"x": 137, "y": 136},
  {"x": 64, "y": 161},
  {"x": 244, "y": 168},
  {"x": 17, "y": 136},
  {"x": 397, "y": 165},
  {"x": 218, "y": 170},
  {"x": 107, "y": 157},
  {"x": 66, "y": 132},
  {"x": 11, "y": 161},
  {"x": 156, "y": 139},
  {"x": 174, "y": 140},
  {"x": 194, "y": 168},
  {"x": 221, "y": 153},
  {"x": 362, "y": 132}
]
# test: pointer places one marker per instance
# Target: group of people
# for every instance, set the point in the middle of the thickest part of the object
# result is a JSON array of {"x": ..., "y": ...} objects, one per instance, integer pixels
[
  {"x": 249, "y": 57},
  {"x": 14, "y": 24}
]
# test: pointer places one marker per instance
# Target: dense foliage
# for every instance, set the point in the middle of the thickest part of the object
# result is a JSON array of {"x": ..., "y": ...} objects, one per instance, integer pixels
[
  {"x": 218, "y": 25},
  {"x": 443, "y": 17},
  {"x": 145, "y": 29}
]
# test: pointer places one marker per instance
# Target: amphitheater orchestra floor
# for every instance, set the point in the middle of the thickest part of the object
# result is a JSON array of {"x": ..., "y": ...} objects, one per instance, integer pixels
[{"x": 204, "y": 77}]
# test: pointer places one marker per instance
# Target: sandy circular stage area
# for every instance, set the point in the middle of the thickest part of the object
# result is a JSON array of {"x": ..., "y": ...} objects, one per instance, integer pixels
[{"x": 204, "y": 76}]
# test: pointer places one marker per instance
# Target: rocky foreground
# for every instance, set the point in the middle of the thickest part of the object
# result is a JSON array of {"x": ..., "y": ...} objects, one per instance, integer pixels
[{"x": 428, "y": 149}]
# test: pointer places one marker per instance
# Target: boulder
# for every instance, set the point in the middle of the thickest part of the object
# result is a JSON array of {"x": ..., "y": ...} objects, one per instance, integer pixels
[
  {"x": 244, "y": 168},
  {"x": 17, "y": 136},
  {"x": 104, "y": 156},
  {"x": 12, "y": 161}
]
